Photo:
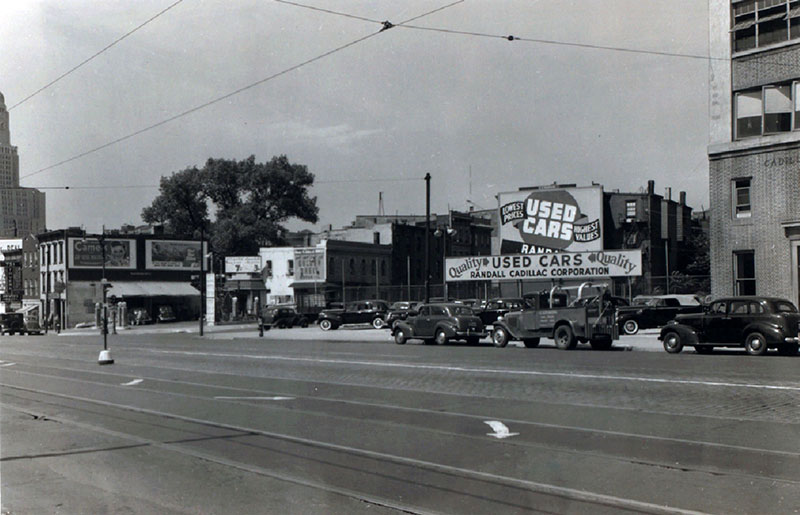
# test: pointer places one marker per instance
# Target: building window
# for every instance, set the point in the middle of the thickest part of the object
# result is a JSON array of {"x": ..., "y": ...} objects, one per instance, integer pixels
[
  {"x": 268, "y": 268},
  {"x": 290, "y": 265},
  {"x": 748, "y": 114},
  {"x": 374, "y": 267},
  {"x": 744, "y": 272},
  {"x": 763, "y": 22},
  {"x": 630, "y": 209},
  {"x": 777, "y": 109},
  {"x": 741, "y": 198}
]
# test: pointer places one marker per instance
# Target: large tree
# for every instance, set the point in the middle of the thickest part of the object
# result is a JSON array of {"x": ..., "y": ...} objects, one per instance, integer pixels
[{"x": 251, "y": 200}]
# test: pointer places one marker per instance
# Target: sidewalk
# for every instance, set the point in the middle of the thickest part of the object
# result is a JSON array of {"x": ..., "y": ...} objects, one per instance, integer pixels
[{"x": 646, "y": 340}]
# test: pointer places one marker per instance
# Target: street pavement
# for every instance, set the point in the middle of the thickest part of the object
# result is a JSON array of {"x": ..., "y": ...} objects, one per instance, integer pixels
[{"x": 311, "y": 422}]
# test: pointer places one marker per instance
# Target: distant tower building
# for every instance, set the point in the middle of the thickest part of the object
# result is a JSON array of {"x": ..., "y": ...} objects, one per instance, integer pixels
[{"x": 22, "y": 210}]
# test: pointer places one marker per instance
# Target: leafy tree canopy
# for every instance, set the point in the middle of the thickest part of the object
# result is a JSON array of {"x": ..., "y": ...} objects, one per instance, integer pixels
[{"x": 251, "y": 201}]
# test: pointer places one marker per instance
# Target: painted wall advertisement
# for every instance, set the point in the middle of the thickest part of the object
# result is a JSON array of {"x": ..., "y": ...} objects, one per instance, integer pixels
[
  {"x": 243, "y": 265},
  {"x": 551, "y": 220},
  {"x": 309, "y": 264},
  {"x": 562, "y": 265},
  {"x": 87, "y": 253},
  {"x": 173, "y": 254}
]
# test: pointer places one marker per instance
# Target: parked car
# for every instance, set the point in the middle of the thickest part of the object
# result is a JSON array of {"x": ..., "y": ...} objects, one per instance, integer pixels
[
  {"x": 165, "y": 314},
  {"x": 496, "y": 308},
  {"x": 439, "y": 323},
  {"x": 12, "y": 323},
  {"x": 140, "y": 316},
  {"x": 398, "y": 311},
  {"x": 656, "y": 312},
  {"x": 755, "y": 323},
  {"x": 281, "y": 317},
  {"x": 359, "y": 312}
]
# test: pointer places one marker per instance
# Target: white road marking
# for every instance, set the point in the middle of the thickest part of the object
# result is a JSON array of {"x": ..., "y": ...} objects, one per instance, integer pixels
[
  {"x": 500, "y": 429},
  {"x": 276, "y": 398},
  {"x": 132, "y": 383},
  {"x": 5, "y": 364},
  {"x": 490, "y": 370}
]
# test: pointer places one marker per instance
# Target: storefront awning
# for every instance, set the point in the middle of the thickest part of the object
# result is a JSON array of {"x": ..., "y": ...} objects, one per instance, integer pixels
[
  {"x": 151, "y": 289},
  {"x": 245, "y": 285},
  {"x": 309, "y": 285},
  {"x": 27, "y": 309}
]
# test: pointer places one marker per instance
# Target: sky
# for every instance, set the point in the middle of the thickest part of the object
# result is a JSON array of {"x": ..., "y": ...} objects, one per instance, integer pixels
[{"x": 483, "y": 115}]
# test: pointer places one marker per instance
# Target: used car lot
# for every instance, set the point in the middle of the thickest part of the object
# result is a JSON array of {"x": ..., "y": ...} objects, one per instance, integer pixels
[{"x": 754, "y": 323}]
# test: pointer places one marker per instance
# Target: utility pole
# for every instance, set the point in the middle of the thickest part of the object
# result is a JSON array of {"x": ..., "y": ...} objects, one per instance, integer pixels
[
  {"x": 427, "y": 237},
  {"x": 202, "y": 281},
  {"x": 105, "y": 355}
]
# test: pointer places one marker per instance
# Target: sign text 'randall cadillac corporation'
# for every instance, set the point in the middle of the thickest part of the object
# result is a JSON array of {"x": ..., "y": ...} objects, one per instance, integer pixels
[{"x": 563, "y": 265}]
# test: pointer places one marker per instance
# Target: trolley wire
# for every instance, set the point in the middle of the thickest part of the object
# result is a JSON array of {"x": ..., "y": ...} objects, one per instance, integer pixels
[
  {"x": 386, "y": 25},
  {"x": 85, "y": 61}
]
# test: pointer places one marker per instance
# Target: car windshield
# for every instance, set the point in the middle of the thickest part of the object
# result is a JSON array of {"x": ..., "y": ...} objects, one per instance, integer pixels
[
  {"x": 461, "y": 310},
  {"x": 785, "y": 307}
]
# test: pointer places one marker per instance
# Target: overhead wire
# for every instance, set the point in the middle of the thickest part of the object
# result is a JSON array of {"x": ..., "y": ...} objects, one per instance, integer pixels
[
  {"x": 85, "y": 61},
  {"x": 235, "y": 92}
]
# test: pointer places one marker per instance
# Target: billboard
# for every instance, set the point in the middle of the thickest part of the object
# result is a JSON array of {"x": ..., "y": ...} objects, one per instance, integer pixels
[
  {"x": 87, "y": 253},
  {"x": 243, "y": 265},
  {"x": 309, "y": 264},
  {"x": 551, "y": 220},
  {"x": 563, "y": 265},
  {"x": 172, "y": 254}
]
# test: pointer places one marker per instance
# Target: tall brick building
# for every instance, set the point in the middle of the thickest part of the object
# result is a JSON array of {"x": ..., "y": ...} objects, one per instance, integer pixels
[{"x": 754, "y": 150}]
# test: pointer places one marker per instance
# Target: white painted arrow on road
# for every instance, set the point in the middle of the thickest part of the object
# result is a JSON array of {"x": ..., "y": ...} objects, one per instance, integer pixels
[
  {"x": 133, "y": 383},
  {"x": 500, "y": 429}
]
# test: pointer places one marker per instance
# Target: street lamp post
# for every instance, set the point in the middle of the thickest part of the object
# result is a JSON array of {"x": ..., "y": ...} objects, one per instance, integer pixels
[
  {"x": 427, "y": 237},
  {"x": 202, "y": 282},
  {"x": 105, "y": 354}
]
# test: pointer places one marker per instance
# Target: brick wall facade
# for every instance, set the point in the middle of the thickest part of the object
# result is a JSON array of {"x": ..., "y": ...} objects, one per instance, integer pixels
[{"x": 774, "y": 194}]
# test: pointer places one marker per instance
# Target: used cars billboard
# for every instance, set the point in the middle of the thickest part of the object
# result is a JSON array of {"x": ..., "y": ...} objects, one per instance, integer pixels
[
  {"x": 543, "y": 220},
  {"x": 173, "y": 254}
]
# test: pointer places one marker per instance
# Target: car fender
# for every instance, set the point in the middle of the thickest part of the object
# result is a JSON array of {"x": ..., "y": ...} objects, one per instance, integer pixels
[
  {"x": 502, "y": 324},
  {"x": 406, "y": 327},
  {"x": 337, "y": 319},
  {"x": 449, "y": 329},
  {"x": 687, "y": 333},
  {"x": 773, "y": 333}
]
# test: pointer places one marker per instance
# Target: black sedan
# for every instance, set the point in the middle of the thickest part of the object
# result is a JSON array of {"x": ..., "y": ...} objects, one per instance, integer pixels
[
  {"x": 439, "y": 323},
  {"x": 755, "y": 323}
]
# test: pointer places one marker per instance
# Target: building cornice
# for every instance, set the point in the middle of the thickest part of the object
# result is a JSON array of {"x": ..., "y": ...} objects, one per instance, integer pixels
[{"x": 751, "y": 146}]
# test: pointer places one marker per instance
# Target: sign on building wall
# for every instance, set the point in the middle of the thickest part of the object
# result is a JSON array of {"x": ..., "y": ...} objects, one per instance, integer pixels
[
  {"x": 87, "y": 253},
  {"x": 309, "y": 264},
  {"x": 243, "y": 265},
  {"x": 551, "y": 220},
  {"x": 562, "y": 265},
  {"x": 172, "y": 254}
]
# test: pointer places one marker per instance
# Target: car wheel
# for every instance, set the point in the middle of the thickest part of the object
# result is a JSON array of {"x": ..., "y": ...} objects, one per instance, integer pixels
[
  {"x": 400, "y": 337},
  {"x": 601, "y": 344},
  {"x": 630, "y": 327},
  {"x": 704, "y": 349},
  {"x": 377, "y": 323},
  {"x": 788, "y": 349},
  {"x": 565, "y": 338},
  {"x": 441, "y": 337},
  {"x": 531, "y": 342},
  {"x": 755, "y": 344},
  {"x": 500, "y": 337},
  {"x": 325, "y": 325},
  {"x": 672, "y": 342}
]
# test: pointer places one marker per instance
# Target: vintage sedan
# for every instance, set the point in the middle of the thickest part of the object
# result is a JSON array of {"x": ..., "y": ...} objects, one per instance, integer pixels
[
  {"x": 359, "y": 312},
  {"x": 280, "y": 317},
  {"x": 439, "y": 323},
  {"x": 755, "y": 323},
  {"x": 655, "y": 312},
  {"x": 398, "y": 311}
]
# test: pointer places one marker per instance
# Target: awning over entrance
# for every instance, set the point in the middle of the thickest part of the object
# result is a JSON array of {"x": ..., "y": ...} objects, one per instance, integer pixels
[
  {"x": 245, "y": 284},
  {"x": 309, "y": 285},
  {"x": 27, "y": 309},
  {"x": 152, "y": 289}
]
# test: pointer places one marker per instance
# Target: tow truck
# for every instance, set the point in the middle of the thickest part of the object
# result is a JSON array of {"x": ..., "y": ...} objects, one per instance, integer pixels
[{"x": 589, "y": 318}]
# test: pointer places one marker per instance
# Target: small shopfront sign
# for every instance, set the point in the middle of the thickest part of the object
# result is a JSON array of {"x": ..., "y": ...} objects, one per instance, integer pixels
[{"x": 309, "y": 264}]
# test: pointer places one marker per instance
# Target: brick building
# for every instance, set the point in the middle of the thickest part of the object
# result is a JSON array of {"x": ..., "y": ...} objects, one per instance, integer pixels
[{"x": 754, "y": 149}]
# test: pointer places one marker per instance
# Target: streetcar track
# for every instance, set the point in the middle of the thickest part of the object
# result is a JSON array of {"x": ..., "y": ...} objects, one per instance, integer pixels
[
  {"x": 458, "y": 472},
  {"x": 439, "y": 412},
  {"x": 554, "y": 448}
]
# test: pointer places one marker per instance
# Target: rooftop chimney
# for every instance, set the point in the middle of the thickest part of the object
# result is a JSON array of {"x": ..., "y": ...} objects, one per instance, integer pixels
[
  {"x": 651, "y": 187},
  {"x": 683, "y": 198}
]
